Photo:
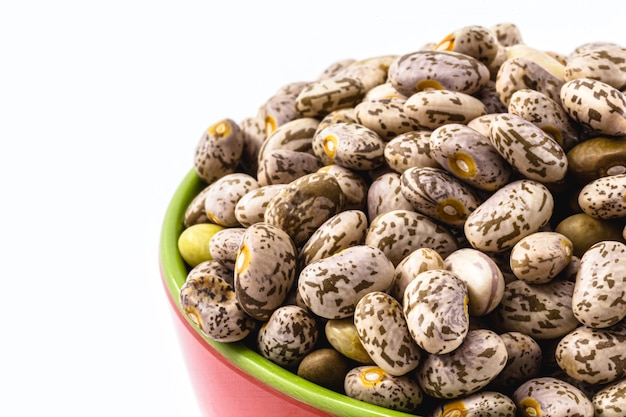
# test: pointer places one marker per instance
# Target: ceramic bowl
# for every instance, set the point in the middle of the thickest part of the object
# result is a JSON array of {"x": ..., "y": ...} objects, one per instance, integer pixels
[{"x": 230, "y": 379}]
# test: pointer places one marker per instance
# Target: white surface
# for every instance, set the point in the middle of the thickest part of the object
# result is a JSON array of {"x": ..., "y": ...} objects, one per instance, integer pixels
[{"x": 101, "y": 106}]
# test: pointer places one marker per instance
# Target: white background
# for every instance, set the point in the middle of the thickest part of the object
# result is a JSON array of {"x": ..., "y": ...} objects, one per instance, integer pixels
[{"x": 101, "y": 106}]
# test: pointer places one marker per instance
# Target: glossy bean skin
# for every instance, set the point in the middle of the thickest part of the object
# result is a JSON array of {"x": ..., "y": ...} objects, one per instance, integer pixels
[
  {"x": 210, "y": 302},
  {"x": 223, "y": 195},
  {"x": 595, "y": 105},
  {"x": 350, "y": 145},
  {"x": 474, "y": 40},
  {"x": 485, "y": 403},
  {"x": 343, "y": 230},
  {"x": 374, "y": 386},
  {"x": 423, "y": 69},
  {"x": 431, "y": 109},
  {"x": 385, "y": 116},
  {"x": 384, "y": 333},
  {"x": 219, "y": 150},
  {"x": 437, "y": 194},
  {"x": 597, "y": 157},
  {"x": 470, "y": 156},
  {"x": 466, "y": 370},
  {"x": 250, "y": 208},
  {"x": 331, "y": 287},
  {"x": 598, "y": 298},
  {"x": 282, "y": 166},
  {"x": 541, "y": 256},
  {"x": 288, "y": 335},
  {"x": 605, "y": 64},
  {"x": 500, "y": 221},
  {"x": 604, "y": 198},
  {"x": 547, "y": 114},
  {"x": 529, "y": 149},
  {"x": 540, "y": 311},
  {"x": 410, "y": 149},
  {"x": 484, "y": 279},
  {"x": 436, "y": 309},
  {"x": 399, "y": 232},
  {"x": 304, "y": 204},
  {"x": 594, "y": 356},
  {"x": 610, "y": 401},
  {"x": 265, "y": 269},
  {"x": 520, "y": 73},
  {"x": 385, "y": 194},
  {"x": 548, "y": 396}
]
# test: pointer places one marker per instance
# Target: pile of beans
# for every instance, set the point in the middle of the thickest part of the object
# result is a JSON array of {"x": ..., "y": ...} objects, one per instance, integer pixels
[{"x": 441, "y": 232}]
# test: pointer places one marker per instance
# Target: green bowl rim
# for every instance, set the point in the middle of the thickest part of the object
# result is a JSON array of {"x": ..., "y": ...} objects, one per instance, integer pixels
[{"x": 174, "y": 273}]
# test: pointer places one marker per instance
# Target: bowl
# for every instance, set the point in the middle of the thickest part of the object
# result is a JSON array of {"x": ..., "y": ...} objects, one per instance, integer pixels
[{"x": 231, "y": 379}]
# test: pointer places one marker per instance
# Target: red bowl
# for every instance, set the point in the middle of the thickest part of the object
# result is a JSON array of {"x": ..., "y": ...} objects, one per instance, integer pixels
[{"x": 230, "y": 379}]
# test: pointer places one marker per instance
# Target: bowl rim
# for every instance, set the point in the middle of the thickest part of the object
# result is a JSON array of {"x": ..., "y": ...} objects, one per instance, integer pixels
[{"x": 245, "y": 359}]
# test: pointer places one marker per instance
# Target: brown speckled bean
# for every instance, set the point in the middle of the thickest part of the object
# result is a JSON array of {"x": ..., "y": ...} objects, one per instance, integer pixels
[
  {"x": 436, "y": 310},
  {"x": 383, "y": 331},
  {"x": 424, "y": 69},
  {"x": 598, "y": 299},
  {"x": 466, "y": 370}
]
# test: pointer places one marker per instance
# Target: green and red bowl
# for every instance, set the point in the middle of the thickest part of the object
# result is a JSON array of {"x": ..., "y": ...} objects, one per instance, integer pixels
[{"x": 231, "y": 379}]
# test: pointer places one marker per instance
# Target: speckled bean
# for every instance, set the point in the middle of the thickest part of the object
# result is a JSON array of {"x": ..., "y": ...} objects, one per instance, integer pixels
[
  {"x": 546, "y": 113},
  {"x": 222, "y": 197},
  {"x": 219, "y": 150},
  {"x": 466, "y": 370},
  {"x": 399, "y": 232},
  {"x": 295, "y": 135},
  {"x": 528, "y": 148},
  {"x": 343, "y": 230},
  {"x": 385, "y": 116},
  {"x": 304, "y": 204},
  {"x": 484, "y": 279},
  {"x": 540, "y": 311},
  {"x": 481, "y": 404},
  {"x": 383, "y": 331},
  {"x": 598, "y": 298},
  {"x": 288, "y": 335},
  {"x": 521, "y": 73},
  {"x": 433, "y": 108},
  {"x": 470, "y": 156},
  {"x": 605, "y": 64},
  {"x": 322, "y": 97},
  {"x": 331, "y": 287},
  {"x": 420, "y": 260},
  {"x": 540, "y": 256},
  {"x": 282, "y": 166},
  {"x": 501, "y": 221},
  {"x": 596, "y": 105},
  {"x": 437, "y": 194},
  {"x": 410, "y": 149},
  {"x": 210, "y": 302},
  {"x": 610, "y": 401},
  {"x": 374, "y": 386},
  {"x": 251, "y": 206},
  {"x": 423, "y": 69},
  {"x": 436, "y": 310},
  {"x": 384, "y": 194},
  {"x": 525, "y": 359},
  {"x": 604, "y": 198},
  {"x": 224, "y": 245},
  {"x": 353, "y": 185},
  {"x": 551, "y": 397},
  {"x": 475, "y": 41},
  {"x": 265, "y": 269},
  {"x": 350, "y": 145}
]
